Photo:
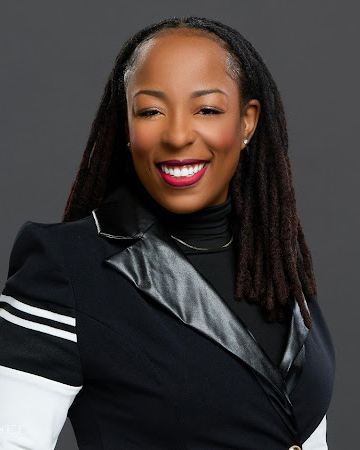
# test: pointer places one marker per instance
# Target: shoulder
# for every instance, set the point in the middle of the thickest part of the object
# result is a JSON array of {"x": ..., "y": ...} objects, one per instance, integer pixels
[
  {"x": 50, "y": 237},
  {"x": 37, "y": 259},
  {"x": 60, "y": 230}
]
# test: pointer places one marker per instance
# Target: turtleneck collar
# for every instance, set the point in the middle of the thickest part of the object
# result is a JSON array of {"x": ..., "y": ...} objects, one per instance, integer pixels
[
  {"x": 212, "y": 220},
  {"x": 209, "y": 227}
]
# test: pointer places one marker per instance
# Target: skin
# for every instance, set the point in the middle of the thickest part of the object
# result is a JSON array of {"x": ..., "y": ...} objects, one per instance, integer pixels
[{"x": 177, "y": 126}]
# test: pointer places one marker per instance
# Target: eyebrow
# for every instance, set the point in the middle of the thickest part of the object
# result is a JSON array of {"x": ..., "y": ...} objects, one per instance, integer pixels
[{"x": 194, "y": 94}]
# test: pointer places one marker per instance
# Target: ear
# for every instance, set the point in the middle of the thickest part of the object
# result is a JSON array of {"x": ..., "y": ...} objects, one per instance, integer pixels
[{"x": 250, "y": 118}]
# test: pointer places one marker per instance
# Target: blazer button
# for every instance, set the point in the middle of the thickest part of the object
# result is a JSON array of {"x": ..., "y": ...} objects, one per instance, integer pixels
[{"x": 294, "y": 447}]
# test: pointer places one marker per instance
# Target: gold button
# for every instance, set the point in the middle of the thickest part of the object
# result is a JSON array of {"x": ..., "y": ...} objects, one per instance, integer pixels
[{"x": 294, "y": 447}]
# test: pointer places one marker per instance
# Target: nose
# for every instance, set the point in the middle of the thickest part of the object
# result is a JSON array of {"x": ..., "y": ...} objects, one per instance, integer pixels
[{"x": 179, "y": 131}]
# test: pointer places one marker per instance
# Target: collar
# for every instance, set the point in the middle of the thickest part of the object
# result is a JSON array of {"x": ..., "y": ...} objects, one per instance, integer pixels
[{"x": 123, "y": 214}]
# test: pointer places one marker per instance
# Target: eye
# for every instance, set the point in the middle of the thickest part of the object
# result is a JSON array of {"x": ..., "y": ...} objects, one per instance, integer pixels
[
  {"x": 210, "y": 111},
  {"x": 148, "y": 113}
]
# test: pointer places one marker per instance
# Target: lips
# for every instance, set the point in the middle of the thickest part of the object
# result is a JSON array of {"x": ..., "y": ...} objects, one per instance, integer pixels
[{"x": 181, "y": 176}]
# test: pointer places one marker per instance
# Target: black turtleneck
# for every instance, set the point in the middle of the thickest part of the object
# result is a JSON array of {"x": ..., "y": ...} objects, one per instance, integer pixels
[{"x": 211, "y": 227}]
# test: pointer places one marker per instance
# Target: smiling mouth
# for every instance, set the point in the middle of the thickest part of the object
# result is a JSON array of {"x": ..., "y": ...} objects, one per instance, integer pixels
[
  {"x": 186, "y": 170},
  {"x": 182, "y": 176}
]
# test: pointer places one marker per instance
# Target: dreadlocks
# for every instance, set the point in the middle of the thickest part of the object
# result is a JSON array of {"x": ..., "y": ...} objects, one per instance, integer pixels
[{"x": 274, "y": 260}]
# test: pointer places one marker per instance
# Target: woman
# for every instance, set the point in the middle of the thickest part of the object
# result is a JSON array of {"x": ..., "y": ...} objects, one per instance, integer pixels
[{"x": 175, "y": 305}]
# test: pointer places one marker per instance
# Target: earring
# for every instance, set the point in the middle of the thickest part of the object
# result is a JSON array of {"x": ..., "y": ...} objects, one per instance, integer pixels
[
  {"x": 245, "y": 141},
  {"x": 128, "y": 145}
]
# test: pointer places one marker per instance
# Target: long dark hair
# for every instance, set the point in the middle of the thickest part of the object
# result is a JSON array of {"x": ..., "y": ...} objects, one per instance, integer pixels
[{"x": 268, "y": 232}]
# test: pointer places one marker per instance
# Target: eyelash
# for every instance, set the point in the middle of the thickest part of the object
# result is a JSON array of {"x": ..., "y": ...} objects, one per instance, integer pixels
[{"x": 146, "y": 113}]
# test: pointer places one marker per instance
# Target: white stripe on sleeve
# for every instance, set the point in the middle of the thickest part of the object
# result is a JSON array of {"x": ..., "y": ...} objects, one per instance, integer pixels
[
  {"x": 33, "y": 409},
  {"x": 38, "y": 326},
  {"x": 35, "y": 311}
]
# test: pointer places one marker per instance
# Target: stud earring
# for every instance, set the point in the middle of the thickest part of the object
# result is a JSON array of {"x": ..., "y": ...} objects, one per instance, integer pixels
[
  {"x": 245, "y": 141},
  {"x": 128, "y": 145}
]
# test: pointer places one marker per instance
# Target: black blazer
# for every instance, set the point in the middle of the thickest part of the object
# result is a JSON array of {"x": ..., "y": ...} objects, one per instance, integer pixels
[{"x": 105, "y": 320}]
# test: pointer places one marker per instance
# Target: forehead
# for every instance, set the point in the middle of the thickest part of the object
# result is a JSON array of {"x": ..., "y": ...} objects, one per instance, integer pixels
[{"x": 182, "y": 56}]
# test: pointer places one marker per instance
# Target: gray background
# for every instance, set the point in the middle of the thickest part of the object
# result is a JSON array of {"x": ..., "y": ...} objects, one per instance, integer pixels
[{"x": 55, "y": 59}]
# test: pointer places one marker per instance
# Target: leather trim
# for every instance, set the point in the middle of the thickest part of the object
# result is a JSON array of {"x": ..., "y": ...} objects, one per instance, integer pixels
[
  {"x": 157, "y": 268},
  {"x": 294, "y": 354}
]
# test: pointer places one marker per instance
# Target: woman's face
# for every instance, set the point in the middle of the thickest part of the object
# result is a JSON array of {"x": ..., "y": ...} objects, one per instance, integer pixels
[{"x": 183, "y": 105}]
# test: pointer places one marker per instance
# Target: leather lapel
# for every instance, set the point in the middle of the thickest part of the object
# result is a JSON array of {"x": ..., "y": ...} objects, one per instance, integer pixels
[
  {"x": 294, "y": 354},
  {"x": 156, "y": 266}
]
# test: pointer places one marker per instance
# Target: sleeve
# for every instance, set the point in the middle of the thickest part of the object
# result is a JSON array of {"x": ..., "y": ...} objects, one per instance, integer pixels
[{"x": 40, "y": 368}]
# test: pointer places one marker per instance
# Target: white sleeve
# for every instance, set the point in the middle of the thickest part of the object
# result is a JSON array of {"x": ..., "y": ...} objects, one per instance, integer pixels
[
  {"x": 40, "y": 367},
  {"x": 33, "y": 410},
  {"x": 317, "y": 440}
]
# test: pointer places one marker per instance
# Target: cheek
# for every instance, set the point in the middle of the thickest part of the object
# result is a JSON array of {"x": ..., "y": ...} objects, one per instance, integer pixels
[
  {"x": 224, "y": 138},
  {"x": 143, "y": 138}
]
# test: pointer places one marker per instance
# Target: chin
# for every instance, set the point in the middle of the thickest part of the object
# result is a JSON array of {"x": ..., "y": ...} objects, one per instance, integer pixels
[{"x": 182, "y": 205}]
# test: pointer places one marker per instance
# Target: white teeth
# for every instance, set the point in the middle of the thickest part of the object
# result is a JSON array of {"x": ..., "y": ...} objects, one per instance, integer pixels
[{"x": 182, "y": 171}]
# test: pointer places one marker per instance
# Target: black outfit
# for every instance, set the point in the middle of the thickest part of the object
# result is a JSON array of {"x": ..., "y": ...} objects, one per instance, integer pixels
[
  {"x": 211, "y": 228},
  {"x": 105, "y": 319}
]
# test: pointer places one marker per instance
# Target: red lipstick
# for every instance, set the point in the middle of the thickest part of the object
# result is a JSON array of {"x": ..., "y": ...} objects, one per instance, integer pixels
[{"x": 182, "y": 181}]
